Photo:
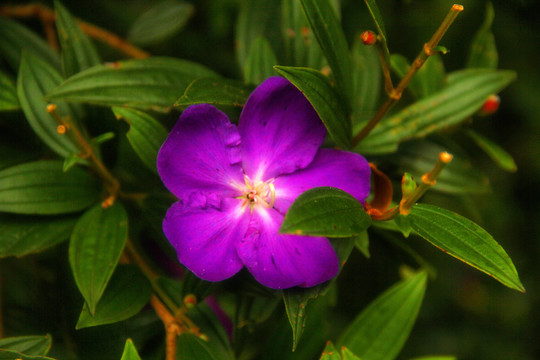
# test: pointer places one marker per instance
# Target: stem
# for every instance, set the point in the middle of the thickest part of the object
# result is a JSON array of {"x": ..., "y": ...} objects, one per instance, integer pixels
[
  {"x": 395, "y": 95},
  {"x": 381, "y": 46}
]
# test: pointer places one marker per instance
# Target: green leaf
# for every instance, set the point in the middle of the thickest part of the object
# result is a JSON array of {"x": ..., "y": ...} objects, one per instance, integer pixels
[
  {"x": 429, "y": 79},
  {"x": 14, "y": 38},
  {"x": 159, "y": 22},
  {"x": 259, "y": 62},
  {"x": 15, "y": 355},
  {"x": 216, "y": 91},
  {"x": 483, "y": 51},
  {"x": 78, "y": 52},
  {"x": 325, "y": 211},
  {"x": 465, "y": 93},
  {"x": 330, "y": 352},
  {"x": 464, "y": 240},
  {"x": 130, "y": 352},
  {"x": 190, "y": 346},
  {"x": 95, "y": 248},
  {"x": 380, "y": 331},
  {"x": 8, "y": 93},
  {"x": 29, "y": 345},
  {"x": 36, "y": 78},
  {"x": 126, "y": 294},
  {"x": 23, "y": 235},
  {"x": 145, "y": 134},
  {"x": 317, "y": 89},
  {"x": 325, "y": 25},
  {"x": 42, "y": 187},
  {"x": 142, "y": 83},
  {"x": 361, "y": 242},
  {"x": 436, "y": 357},
  {"x": 348, "y": 355},
  {"x": 379, "y": 24},
  {"x": 190, "y": 284},
  {"x": 502, "y": 158}
]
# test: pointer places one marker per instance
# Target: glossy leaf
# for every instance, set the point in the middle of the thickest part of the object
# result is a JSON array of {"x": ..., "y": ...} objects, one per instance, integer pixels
[
  {"x": 330, "y": 352},
  {"x": 28, "y": 345},
  {"x": 142, "y": 83},
  {"x": 23, "y": 235},
  {"x": 130, "y": 352},
  {"x": 216, "y": 91},
  {"x": 259, "y": 62},
  {"x": 95, "y": 248},
  {"x": 159, "y": 22},
  {"x": 145, "y": 134},
  {"x": 381, "y": 329},
  {"x": 43, "y": 188},
  {"x": 14, "y": 38},
  {"x": 8, "y": 93},
  {"x": 126, "y": 294},
  {"x": 327, "y": 29},
  {"x": 462, "y": 97},
  {"x": 464, "y": 240},
  {"x": 361, "y": 242},
  {"x": 483, "y": 51},
  {"x": 317, "y": 89},
  {"x": 325, "y": 211},
  {"x": 502, "y": 158},
  {"x": 36, "y": 78},
  {"x": 78, "y": 52},
  {"x": 190, "y": 346}
]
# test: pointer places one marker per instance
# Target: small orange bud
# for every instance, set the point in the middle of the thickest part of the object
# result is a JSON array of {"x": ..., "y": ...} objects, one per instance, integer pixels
[
  {"x": 51, "y": 108},
  {"x": 445, "y": 157},
  {"x": 61, "y": 129},
  {"x": 190, "y": 301},
  {"x": 108, "y": 202},
  {"x": 368, "y": 37},
  {"x": 491, "y": 105}
]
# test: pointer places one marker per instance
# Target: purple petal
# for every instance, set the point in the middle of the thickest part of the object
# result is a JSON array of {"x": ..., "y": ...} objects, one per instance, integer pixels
[
  {"x": 340, "y": 169},
  {"x": 282, "y": 261},
  {"x": 201, "y": 155},
  {"x": 205, "y": 239},
  {"x": 280, "y": 130}
]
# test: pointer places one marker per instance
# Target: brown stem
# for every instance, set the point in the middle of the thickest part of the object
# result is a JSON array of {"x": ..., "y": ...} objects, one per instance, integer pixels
[{"x": 172, "y": 327}]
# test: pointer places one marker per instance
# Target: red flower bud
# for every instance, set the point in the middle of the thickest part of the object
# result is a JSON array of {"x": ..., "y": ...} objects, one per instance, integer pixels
[
  {"x": 490, "y": 106},
  {"x": 368, "y": 37}
]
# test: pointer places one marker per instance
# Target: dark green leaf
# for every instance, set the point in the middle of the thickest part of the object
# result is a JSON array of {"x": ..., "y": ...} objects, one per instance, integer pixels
[
  {"x": 157, "y": 23},
  {"x": 145, "y": 134},
  {"x": 428, "y": 80},
  {"x": 36, "y": 78},
  {"x": 503, "y": 159},
  {"x": 15, "y": 355},
  {"x": 130, "y": 352},
  {"x": 325, "y": 25},
  {"x": 483, "y": 51},
  {"x": 125, "y": 295},
  {"x": 14, "y": 38},
  {"x": 465, "y": 241},
  {"x": 325, "y": 211},
  {"x": 43, "y": 188},
  {"x": 29, "y": 345},
  {"x": 23, "y": 235},
  {"x": 95, "y": 248},
  {"x": 142, "y": 83},
  {"x": 190, "y": 346},
  {"x": 216, "y": 91},
  {"x": 78, "y": 52},
  {"x": 380, "y": 331},
  {"x": 317, "y": 89},
  {"x": 8, "y": 93},
  {"x": 259, "y": 62},
  {"x": 361, "y": 242},
  {"x": 462, "y": 97},
  {"x": 379, "y": 24},
  {"x": 190, "y": 284}
]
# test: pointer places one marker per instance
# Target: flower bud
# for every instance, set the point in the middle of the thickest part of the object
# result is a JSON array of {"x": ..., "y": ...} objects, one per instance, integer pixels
[
  {"x": 408, "y": 185},
  {"x": 368, "y": 37},
  {"x": 491, "y": 105},
  {"x": 190, "y": 301}
]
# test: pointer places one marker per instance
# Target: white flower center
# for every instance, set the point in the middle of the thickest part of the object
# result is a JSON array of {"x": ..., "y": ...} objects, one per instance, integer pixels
[{"x": 258, "y": 193}]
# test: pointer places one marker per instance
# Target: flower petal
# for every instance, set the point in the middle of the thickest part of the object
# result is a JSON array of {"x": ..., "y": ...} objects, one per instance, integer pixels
[
  {"x": 344, "y": 170},
  {"x": 282, "y": 261},
  {"x": 280, "y": 130},
  {"x": 201, "y": 154},
  {"x": 205, "y": 238}
]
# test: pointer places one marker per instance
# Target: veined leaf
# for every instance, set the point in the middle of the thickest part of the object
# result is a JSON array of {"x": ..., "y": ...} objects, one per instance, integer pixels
[
  {"x": 462, "y": 97},
  {"x": 15, "y": 355},
  {"x": 380, "y": 331},
  {"x": 14, "y": 38},
  {"x": 36, "y": 78},
  {"x": 429, "y": 79},
  {"x": 317, "y": 89},
  {"x": 142, "y": 83},
  {"x": 465, "y": 241},
  {"x": 42, "y": 187},
  {"x": 125, "y": 295},
  {"x": 21, "y": 236},
  {"x": 78, "y": 52},
  {"x": 503, "y": 159},
  {"x": 327, "y": 29},
  {"x": 95, "y": 248},
  {"x": 190, "y": 346},
  {"x": 483, "y": 51},
  {"x": 259, "y": 62},
  {"x": 216, "y": 91},
  {"x": 162, "y": 20},
  {"x": 325, "y": 211},
  {"x": 28, "y": 345},
  {"x": 379, "y": 24},
  {"x": 8, "y": 94},
  {"x": 330, "y": 352},
  {"x": 145, "y": 134},
  {"x": 130, "y": 352}
]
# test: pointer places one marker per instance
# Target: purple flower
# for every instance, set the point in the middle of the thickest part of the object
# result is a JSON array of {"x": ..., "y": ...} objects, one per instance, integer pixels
[{"x": 235, "y": 184}]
